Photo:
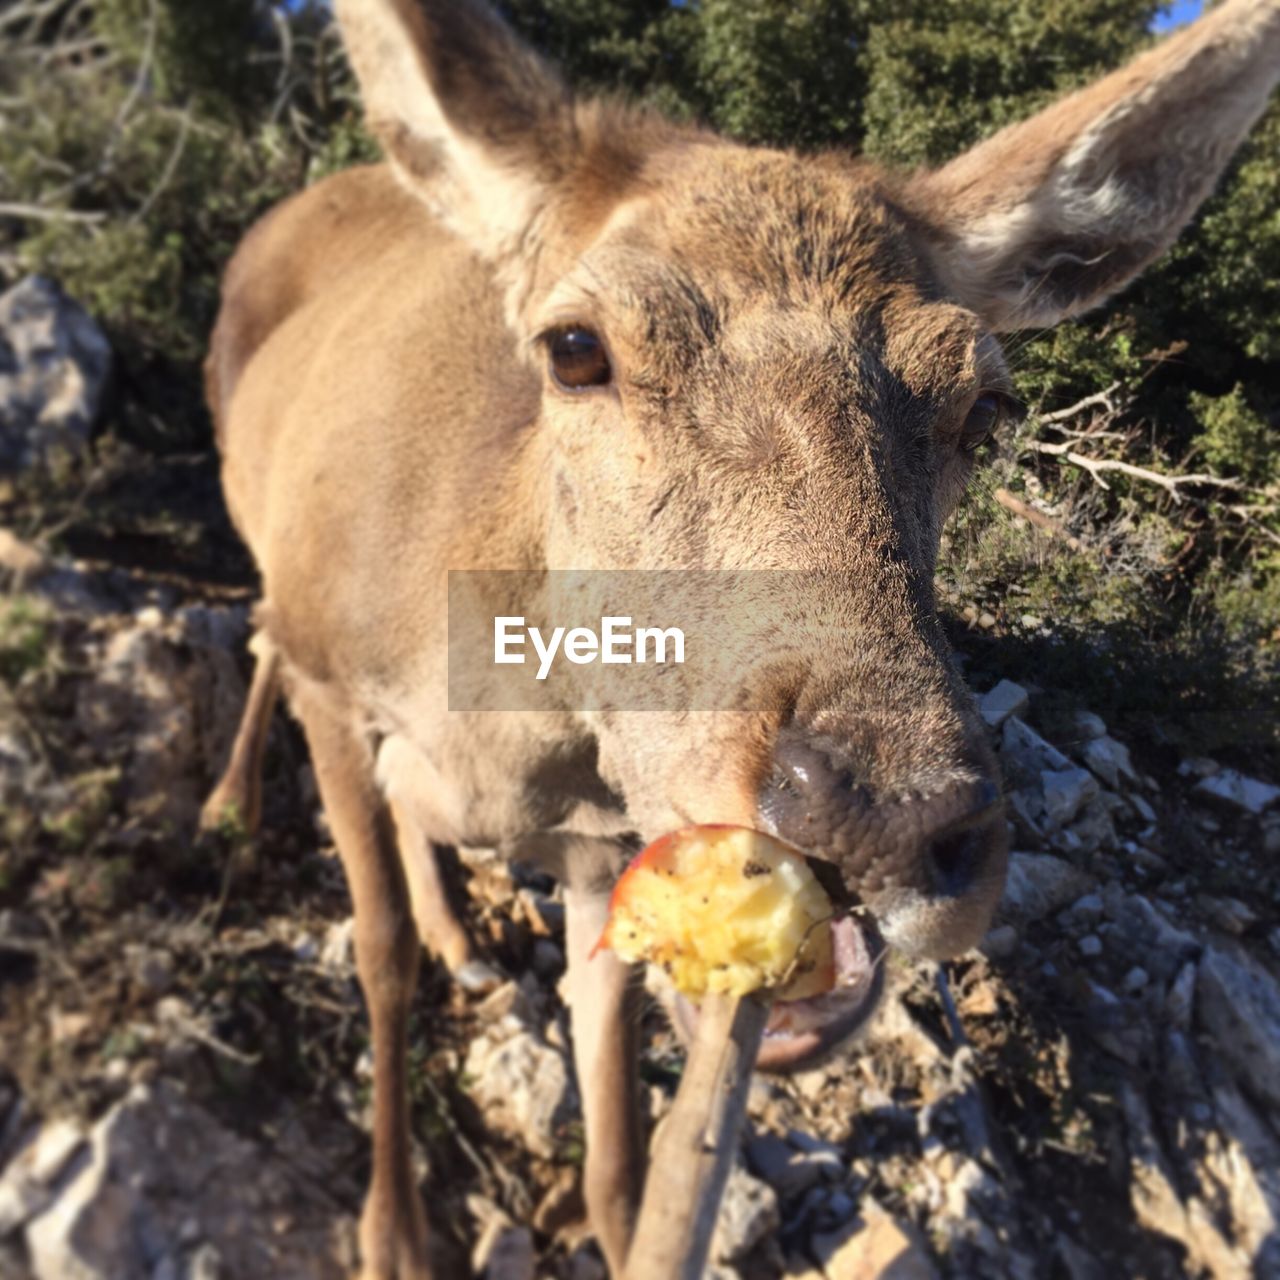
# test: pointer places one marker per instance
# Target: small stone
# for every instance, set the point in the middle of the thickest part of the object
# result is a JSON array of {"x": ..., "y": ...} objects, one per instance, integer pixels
[
  {"x": 154, "y": 971},
  {"x": 1066, "y": 792},
  {"x": 1142, "y": 807},
  {"x": 523, "y": 1083},
  {"x": 336, "y": 951},
  {"x": 1110, "y": 761},
  {"x": 54, "y": 375},
  {"x": 1236, "y": 791},
  {"x": 1238, "y": 1002},
  {"x": 306, "y": 948},
  {"x": 1027, "y": 750},
  {"x": 1229, "y": 914},
  {"x": 748, "y": 1213},
  {"x": 28, "y": 1183},
  {"x": 1085, "y": 910},
  {"x": 1135, "y": 980},
  {"x": 150, "y": 616},
  {"x": 1198, "y": 767},
  {"x": 1091, "y": 945},
  {"x": 1087, "y": 726},
  {"x": 1004, "y": 700},
  {"x": 1038, "y": 884},
  {"x": 986, "y": 620}
]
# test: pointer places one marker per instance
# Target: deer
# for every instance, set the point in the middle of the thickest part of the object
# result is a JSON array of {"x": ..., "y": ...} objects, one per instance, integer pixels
[{"x": 553, "y": 332}]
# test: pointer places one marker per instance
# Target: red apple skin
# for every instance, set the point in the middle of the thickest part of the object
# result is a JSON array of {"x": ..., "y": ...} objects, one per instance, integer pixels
[{"x": 652, "y": 858}]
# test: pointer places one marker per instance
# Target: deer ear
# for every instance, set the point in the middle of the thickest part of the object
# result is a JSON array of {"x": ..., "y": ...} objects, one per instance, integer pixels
[
  {"x": 1050, "y": 216},
  {"x": 472, "y": 119}
]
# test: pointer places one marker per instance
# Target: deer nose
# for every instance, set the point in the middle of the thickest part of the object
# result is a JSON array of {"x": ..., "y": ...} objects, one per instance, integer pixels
[{"x": 931, "y": 862}]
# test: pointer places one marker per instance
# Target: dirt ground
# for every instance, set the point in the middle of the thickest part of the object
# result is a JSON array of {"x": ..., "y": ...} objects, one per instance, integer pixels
[{"x": 1093, "y": 1093}]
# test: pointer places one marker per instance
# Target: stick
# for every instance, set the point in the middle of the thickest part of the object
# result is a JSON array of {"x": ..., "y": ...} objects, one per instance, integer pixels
[
  {"x": 1048, "y": 526},
  {"x": 690, "y": 1161},
  {"x": 1094, "y": 466}
]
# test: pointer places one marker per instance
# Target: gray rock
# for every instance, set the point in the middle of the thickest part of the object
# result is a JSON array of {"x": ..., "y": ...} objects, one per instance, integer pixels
[
  {"x": 30, "y": 1180},
  {"x": 1005, "y": 700},
  {"x": 1198, "y": 767},
  {"x": 1110, "y": 761},
  {"x": 523, "y": 1084},
  {"x": 1037, "y": 885},
  {"x": 1024, "y": 750},
  {"x": 1135, "y": 980},
  {"x": 1157, "y": 1203},
  {"x": 1091, "y": 945},
  {"x": 166, "y": 707},
  {"x": 1229, "y": 914},
  {"x": 1234, "y": 791},
  {"x": 164, "y": 1181},
  {"x": 1066, "y": 792},
  {"x": 1144, "y": 933},
  {"x": 793, "y": 1165},
  {"x": 54, "y": 367},
  {"x": 1238, "y": 1002},
  {"x": 337, "y": 951},
  {"x": 1088, "y": 726},
  {"x": 1086, "y": 910},
  {"x": 748, "y": 1213},
  {"x": 1142, "y": 807}
]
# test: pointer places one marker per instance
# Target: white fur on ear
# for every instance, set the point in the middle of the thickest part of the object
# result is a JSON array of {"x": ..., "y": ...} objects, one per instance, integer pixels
[
  {"x": 475, "y": 176},
  {"x": 1050, "y": 216}
]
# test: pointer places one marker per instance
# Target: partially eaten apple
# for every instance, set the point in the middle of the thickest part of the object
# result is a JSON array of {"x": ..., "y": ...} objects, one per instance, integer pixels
[{"x": 725, "y": 910}]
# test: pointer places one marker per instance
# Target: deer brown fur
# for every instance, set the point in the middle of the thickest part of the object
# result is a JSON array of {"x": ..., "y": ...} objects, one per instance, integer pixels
[{"x": 796, "y": 346}]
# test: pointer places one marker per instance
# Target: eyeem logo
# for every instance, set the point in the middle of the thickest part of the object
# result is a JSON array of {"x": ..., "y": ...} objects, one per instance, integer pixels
[{"x": 616, "y": 643}]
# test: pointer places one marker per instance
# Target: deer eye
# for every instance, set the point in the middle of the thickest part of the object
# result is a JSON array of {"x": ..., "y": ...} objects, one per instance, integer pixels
[
  {"x": 578, "y": 359},
  {"x": 984, "y": 417}
]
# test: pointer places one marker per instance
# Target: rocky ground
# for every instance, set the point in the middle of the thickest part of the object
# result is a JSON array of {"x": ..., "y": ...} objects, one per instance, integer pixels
[{"x": 1094, "y": 1092}]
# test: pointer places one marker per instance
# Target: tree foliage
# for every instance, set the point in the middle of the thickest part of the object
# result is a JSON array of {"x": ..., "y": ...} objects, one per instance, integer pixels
[{"x": 164, "y": 127}]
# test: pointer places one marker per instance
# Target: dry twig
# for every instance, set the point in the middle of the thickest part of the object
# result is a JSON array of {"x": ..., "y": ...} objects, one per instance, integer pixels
[
  {"x": 1048, "y": 526},
  {"x": 1095, "y": 466}
]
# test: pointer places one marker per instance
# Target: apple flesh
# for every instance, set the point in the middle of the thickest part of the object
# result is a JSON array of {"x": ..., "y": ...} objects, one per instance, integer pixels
[{"x": 724, "y": 910}]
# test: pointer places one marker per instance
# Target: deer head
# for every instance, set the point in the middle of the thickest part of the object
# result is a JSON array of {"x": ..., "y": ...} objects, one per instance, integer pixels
[{"x": 752, "y": 359}]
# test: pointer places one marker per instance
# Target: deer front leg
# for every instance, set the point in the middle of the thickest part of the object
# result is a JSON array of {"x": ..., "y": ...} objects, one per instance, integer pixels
[
  {"x": 238, "y": 796},
  {"x": 604, "y": 1007},
  {"x": 393, "y": 1228},
  {"x": 439, "y": 927}
]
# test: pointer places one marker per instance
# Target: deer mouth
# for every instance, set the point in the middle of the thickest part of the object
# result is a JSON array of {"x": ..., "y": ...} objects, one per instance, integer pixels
[{"x": 803, "y": 1033}]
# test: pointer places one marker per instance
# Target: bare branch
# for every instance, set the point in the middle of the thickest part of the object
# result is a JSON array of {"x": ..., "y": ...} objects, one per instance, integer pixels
[
  {"x": 40, "y": 214},
  {"x": 1249, "y": 516},
  {"x": 1105, "y": 398},
  {"x": 1048, "y": 526},
  {"x": 1096, "y": 466}
]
